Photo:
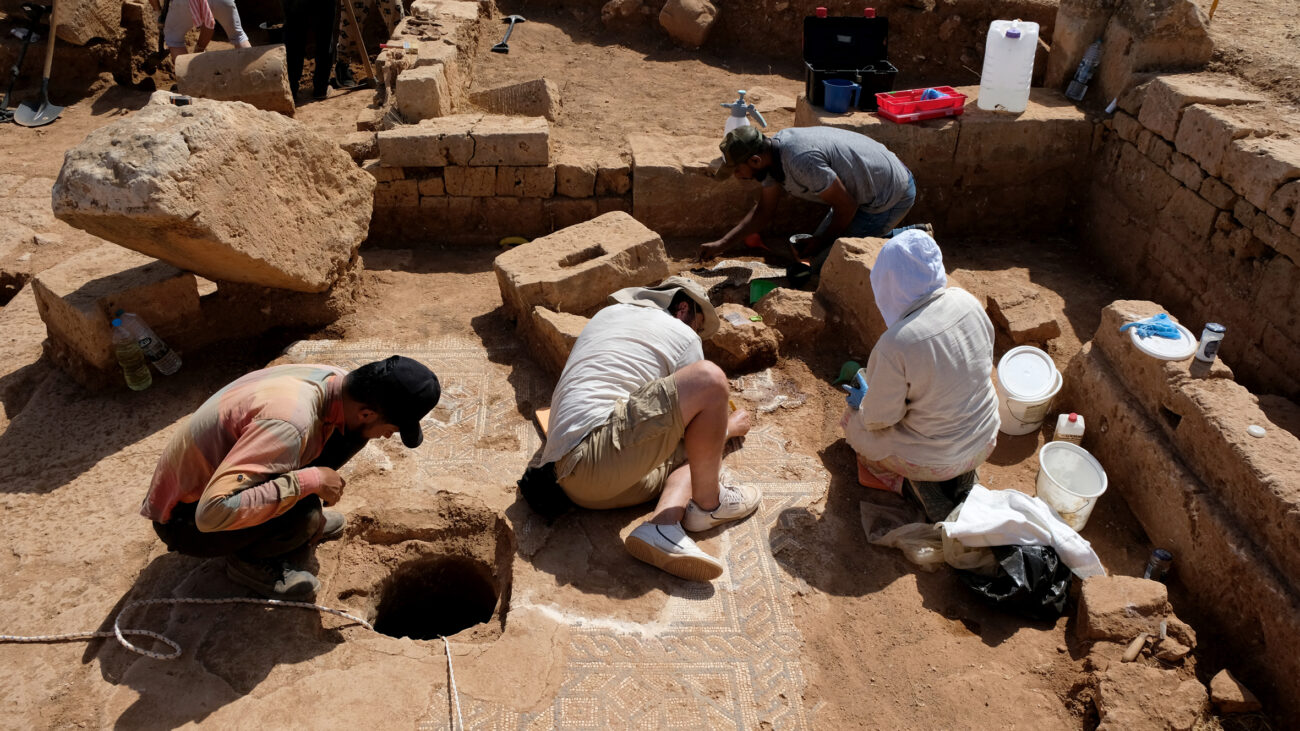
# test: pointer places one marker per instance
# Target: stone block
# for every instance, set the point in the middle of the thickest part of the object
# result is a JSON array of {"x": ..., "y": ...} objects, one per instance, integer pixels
[
  {"x": 527, "y": 182},
  {"x": 1127, "y": 126},
  {"x": 536, "y": 98},
  {"x": 741, "y": 344},
  {"x": 431, "y": 143},
  {"x": 81, "y": 21},
  {"x": 77, "y": 297},
  {"x": 423, "y": 93},
  {"x": 613, "y": 203},
  {"x": 1118, "y": 608},
  {"x": 1190, "y": 213},
  {"x": 360, "y": 146},
  {"x": 1077, "y": 25},
  {"x": 1023, "y": 316},
  {"x": 1244, "y": 212},
  {"x": 432, "y": 186},
  {"x": 257, "y": 76},
  {"x": 213, "y": 187},
  {"x": 511, "y": 141},
  {"x": 1206, "y": 132},
  {"x": 1152, "y": 35},
  {"x": 1186, "y": 171},
  {"x": 918, "y": 144},
  {"x": 513, "y": 217},
  {"x": 845, "y": 286},
  {"x": 688, "y": 22},
  {"x": 1135, "y": 697},
  {"x": 1146, "y": 185},
  {"x": 468, "y": 181},
  {"x": 447, "y": 54},
  {"x": 1281, "y": 240},
  {"x": 565, "y": 212},
  {"x": 798, "y": 317},
  {"x": 1256, "y": 168},
  {"x": 397, "y": 194},
  {"x": 381, "y": 173},
  {"x": 1284, "y": 203},
  {"x": 574, "y": 269},
  {"x": 676, "y": 193},
  {"x": 370, "y": 119},
  {"x": 552, "y": 335},
  {"x": 613, "y": 173},
  {"x": 1230, "y": 696},
  {"x": 1167, "y": 97},
  {"x": 575, "y": 177},
  {"x": 1218, "y": 194},
  {"x": 1052, "y": 131}
]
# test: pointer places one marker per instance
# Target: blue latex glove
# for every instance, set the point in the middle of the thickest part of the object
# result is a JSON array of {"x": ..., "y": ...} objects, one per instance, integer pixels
[
  {"x": 929, "y": 94},
  {"x": 1154, "y": 326},
  {"x": 856, "y": 390}
]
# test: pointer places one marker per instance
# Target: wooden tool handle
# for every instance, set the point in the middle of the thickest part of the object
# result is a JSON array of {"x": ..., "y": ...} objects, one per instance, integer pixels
[
  {"x": 49, "y": 45},
  {"x": 354, "y": 30}
]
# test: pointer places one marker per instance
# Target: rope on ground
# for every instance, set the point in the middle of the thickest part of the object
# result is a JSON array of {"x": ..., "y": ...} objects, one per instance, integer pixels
[
  {"x": 121, "y": 634},
  {"x": 451, "y": 675}
]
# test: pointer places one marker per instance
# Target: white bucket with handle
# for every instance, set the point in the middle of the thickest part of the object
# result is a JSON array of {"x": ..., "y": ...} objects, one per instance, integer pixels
[
  {"x": 1027, "y": 382},
  {"x": 1070, "y": 480}
]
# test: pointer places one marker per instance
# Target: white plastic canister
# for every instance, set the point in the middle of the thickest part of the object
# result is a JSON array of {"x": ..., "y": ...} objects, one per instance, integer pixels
[
  {"x": 1027, "y": 381},
  {"x": 1008, "y": 65}
]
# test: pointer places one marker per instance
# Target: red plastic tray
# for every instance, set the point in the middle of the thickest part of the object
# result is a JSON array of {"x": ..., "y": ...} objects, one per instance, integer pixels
[{"x": 908, "y": 106}]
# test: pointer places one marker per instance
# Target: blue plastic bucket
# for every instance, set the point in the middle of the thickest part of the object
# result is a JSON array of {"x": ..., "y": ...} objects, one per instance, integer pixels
[{"x": 840, "y": 93}]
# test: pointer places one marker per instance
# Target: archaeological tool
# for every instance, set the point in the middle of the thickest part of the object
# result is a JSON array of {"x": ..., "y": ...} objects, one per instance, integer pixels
[
  {"x": 504, "y": 46},
  {"x": 34, "y": 13},
  {"x": 354, "y": 30},
  {"x": 39, "y": 115}
]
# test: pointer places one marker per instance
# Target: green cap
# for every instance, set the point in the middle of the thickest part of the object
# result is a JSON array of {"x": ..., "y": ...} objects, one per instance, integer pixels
[
  {"x": 738, "y": 146},
  {"x": 848, "y": 371}
]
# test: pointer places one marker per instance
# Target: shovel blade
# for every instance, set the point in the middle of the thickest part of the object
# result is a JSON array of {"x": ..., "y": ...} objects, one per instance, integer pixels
[
  {"x": 29, "y": 115},
  {"x": 501, "y": 48}
]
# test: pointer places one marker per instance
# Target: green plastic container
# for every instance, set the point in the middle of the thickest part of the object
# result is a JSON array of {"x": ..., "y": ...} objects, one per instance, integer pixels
[{"x": 758, "y": 288}]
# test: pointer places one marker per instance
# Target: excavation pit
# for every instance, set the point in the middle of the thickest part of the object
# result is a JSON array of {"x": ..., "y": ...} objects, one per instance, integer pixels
[{"x": 437, "y": 597}]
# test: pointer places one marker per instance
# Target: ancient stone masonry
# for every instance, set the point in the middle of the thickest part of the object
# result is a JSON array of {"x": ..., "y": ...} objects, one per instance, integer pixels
[
  {"x": 1194, "y": 200},
  {"x": 1173, "y": 437}
]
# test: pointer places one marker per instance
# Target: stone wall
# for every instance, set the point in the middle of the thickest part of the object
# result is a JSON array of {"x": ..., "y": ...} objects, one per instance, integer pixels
[{"x": 1193, "y": 204}]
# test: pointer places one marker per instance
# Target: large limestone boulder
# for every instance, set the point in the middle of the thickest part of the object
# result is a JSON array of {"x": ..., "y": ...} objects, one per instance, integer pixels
[
  {"x": 81, "y": 21},
  {"x": 743, "y": 342},
  {"x": 222, "y": 190},
  {"x": 257, "y": 75},
  {"x": 688, "y": 22}
]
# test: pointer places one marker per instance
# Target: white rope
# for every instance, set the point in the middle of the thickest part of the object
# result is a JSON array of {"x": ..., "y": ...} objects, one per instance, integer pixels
[
  {"x": 451, "y": 676},
  {"x": 121, "y": 634}
]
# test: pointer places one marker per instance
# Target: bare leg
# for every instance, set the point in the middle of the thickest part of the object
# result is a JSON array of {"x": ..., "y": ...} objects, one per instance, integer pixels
[
  {"x": 176, "y": 52},
  {"x": 205, "y": 37}
]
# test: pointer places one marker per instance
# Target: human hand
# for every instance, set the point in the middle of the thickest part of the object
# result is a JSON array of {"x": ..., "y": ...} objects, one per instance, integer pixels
[
  {"x": 331, "y": 486},
  {"x": 711, "y": 250},
  {"x": 856, "y": 390}
]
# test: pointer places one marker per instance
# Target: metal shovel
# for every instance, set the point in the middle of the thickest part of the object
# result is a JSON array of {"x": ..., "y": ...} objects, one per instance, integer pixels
[
  {"x": 28, "y": 114},
  {"x": 503, "y": 46}
]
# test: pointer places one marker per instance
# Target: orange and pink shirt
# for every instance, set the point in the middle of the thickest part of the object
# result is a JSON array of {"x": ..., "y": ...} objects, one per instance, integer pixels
[{"x": 241, "y": 455}]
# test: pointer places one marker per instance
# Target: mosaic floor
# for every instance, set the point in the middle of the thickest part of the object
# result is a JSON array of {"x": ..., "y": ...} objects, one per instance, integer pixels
[{"x": 734, "y": 648}]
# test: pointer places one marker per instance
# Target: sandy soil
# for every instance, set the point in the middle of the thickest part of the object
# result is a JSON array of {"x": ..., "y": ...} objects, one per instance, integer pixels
[{"x": 885, "y": 646}]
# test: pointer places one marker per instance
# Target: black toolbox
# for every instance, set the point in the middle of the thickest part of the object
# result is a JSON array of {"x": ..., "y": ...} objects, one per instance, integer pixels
[{"x": 856, "y": 49}]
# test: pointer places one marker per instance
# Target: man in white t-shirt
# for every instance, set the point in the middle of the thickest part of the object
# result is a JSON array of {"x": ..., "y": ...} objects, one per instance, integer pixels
[{"x": 640, "y": 415}]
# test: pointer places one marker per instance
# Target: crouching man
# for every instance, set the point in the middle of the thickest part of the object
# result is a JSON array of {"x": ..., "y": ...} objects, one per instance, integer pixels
[
  {"x": 246, "y": 476},
  {"x": 639, "y": 415},
  {"x": 923, "y": 414}
]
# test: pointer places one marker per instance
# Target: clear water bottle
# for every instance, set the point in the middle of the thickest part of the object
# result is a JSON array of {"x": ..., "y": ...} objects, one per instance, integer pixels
[
  {"x": 166, "y": 360},
  {"x": 131, "y": 358},
  {"x": 1008, "y": 65},
  {"x": 1079, "y": 86}
]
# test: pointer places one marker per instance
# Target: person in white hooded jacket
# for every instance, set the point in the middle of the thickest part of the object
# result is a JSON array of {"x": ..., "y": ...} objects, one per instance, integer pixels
[{"x": 929, "y": 412}]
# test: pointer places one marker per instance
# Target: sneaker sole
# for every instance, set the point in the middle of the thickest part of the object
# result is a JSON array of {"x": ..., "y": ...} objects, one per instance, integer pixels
[
  {"x": 255, "y": 585},
  {"x": 691, "y": 568}
]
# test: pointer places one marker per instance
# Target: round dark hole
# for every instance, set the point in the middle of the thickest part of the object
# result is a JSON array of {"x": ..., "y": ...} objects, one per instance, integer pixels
[{"x": 432, "y": 597}]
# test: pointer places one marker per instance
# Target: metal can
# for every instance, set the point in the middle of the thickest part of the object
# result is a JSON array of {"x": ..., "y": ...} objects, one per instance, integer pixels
[
  {"x": 1158, "y": 565},
  {"x": 1211, "y": 336}
]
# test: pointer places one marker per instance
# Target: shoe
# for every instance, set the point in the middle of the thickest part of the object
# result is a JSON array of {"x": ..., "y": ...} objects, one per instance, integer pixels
[
  {"x": 343, "y": 78},
  {"x": 272, "y": 578},
  {"x": 320, "y": 94},
  {"x": 669, "y": 548},
  {"x": 334, "y": 525},
  {"x": 734, "y": 502},
  {"x": 932, "y": 498}
]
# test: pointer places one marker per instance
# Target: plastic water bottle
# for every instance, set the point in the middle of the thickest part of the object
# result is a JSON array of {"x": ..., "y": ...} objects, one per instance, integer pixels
[
  {"x": 1079, "y": 86},
  {"x": 166, "y": 360},
  {"x": 131, "y": 358},
  {"x": 1008, "y": 65},
  {"x": 1069, "y": 428},
  {"x": 741, "y": 112}
]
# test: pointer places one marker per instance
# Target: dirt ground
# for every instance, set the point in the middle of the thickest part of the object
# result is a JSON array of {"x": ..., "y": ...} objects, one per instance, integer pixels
[{"x": 884, "y": 645}]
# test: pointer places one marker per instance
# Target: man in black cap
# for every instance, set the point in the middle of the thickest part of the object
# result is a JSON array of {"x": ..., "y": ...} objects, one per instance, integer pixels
[
  {"x": 246, "y": 476},
  {"x": 868, "y": 189}
]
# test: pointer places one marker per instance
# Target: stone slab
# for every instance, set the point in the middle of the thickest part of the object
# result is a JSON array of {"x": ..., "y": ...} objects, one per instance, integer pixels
[
  {"x": 575, "y": 269},
  {"x": 1168, "y": 95},
  {"x": 845, "y": 286},
  {"x": 1256, "y": 168},
  {"x": 1118, "y": 608},
  {"x": 431, "y": 143},
  {"x": 552, "y": 335},
  {"x": 423, "y": 93},
  {"x": 675, "y": 192},
  {"x": 257, "y": 76},
  {"x": 501, "y": 140},
  {"x": 1205, "y": 133},
  {"x": 535, "y": 98}
]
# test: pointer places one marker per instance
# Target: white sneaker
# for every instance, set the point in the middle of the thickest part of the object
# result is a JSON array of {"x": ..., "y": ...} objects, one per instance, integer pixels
[
  {"x": 735, "y": 502},
  {"x": 669, "y": 548}
]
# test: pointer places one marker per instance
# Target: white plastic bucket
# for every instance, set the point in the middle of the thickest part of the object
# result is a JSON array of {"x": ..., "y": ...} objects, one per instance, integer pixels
[
  {"x": 1070, "y": 480},
  {"x": 1027, "y": 382}
]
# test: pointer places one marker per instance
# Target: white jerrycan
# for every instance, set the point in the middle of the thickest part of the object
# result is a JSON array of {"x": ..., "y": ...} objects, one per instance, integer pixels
[{"x": 1008, "y": 65}]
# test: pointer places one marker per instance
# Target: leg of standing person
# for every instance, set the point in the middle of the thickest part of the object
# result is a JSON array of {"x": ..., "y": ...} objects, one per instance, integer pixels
[
  {"x": 295, "y": 39},
  {"x": 177, "y": 23},
  {"x": 325, "y": 26},
  {"x": 227, "y": 15}
]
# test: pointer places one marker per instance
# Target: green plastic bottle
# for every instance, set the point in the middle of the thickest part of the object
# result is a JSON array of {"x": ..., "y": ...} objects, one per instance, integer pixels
[{"x": 131, "y": 358}]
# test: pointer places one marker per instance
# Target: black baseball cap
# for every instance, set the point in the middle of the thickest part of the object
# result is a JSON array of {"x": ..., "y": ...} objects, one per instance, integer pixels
[
  {"x": 402, "y": 389},
  {"x": 739, "y": 145}
]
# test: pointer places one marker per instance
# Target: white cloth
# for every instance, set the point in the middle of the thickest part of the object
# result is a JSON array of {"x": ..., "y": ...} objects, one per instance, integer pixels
[
  {"x": 1011, "y": 518},
  {"x": 908, "y": 268},
  {"x": 930, "y": 398},
  {"x": 624, "y": 347}
]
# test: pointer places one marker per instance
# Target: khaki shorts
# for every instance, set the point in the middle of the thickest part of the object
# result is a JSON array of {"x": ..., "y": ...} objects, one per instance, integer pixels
[{"x": 626, "y": 460}]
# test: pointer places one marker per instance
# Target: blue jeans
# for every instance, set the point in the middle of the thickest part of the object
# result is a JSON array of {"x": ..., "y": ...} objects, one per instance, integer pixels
[{"x": 865, "y": 223}]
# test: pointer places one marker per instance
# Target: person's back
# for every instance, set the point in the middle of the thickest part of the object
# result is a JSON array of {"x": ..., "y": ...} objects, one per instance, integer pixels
[{"x": 873, "y": 175}]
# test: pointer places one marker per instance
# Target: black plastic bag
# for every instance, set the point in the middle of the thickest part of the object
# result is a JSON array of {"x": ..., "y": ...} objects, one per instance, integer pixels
[{"x": 1031, "y": 581}]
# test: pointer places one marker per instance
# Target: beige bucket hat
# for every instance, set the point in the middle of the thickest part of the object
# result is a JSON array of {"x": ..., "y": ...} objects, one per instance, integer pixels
[{"x": 661, "y": 295}]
